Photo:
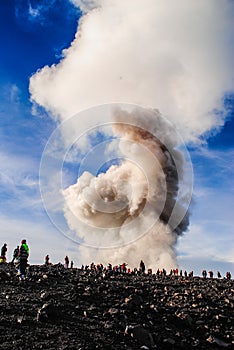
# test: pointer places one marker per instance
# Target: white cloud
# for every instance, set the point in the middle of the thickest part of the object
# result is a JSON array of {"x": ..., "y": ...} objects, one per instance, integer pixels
[
  {"x": 175, "y": 56},
  {"x": 201, "y": 243},
  {"x": 86, "y": 5},
  {"x": 19, "y": 183},
  {"x": 14, "y": 93},
  {"x": 33, "y": 12},
  {"x": 38, "y": 12},
  {"x": 16, "y": 170}
]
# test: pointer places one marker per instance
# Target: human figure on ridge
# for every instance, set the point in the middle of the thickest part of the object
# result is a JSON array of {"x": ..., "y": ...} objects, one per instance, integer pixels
[
  {"x": 3, "y": 253},
  {"x": 204, "y": 273},
  {"x": 23, "y": 258},
  {"x": 211, "y": 274},
  {"x": 15, "y": 254},
  {"x": 47, "y": 260},
  {"x": 142, "y": 266},
  {"x": 66, "y": 262}
]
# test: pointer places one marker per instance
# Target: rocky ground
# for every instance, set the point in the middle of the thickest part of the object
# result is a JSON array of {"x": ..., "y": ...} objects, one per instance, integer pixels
[{"x": 57, "y": 308}]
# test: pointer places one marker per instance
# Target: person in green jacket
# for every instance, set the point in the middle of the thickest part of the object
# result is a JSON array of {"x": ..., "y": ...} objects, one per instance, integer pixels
[{"x": 23, "y": 258}]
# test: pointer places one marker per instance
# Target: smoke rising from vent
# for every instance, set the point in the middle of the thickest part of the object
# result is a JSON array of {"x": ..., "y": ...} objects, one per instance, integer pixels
[{"x": 133, "y": 207}]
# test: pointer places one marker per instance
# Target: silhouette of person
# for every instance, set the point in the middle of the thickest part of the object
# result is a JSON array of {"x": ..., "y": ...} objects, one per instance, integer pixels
[
  {"x": 3, "y": 252},
  {"x": 15, "y": 254},
  {"x": 66, "y": 262}
]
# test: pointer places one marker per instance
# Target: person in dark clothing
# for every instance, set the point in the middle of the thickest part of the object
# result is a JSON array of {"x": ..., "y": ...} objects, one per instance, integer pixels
[
  {"x": 142, "y": 266},
  {"x": 211, "y": 274},
  {"x": 3, "y": 252},
  {"x": 204, "y": 273},
  {"x": 23, "y": 258},
  {"x": 66, "y": 262},
  {"x": 15, "y": 254},
  {"x": 47, "y": 260}
]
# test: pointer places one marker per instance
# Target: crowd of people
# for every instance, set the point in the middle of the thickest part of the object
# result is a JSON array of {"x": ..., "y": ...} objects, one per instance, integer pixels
[
  {"x": 160, "y": 273},
  {"x": 21, "y": 254},
  {"x": 20, "y": 257}
]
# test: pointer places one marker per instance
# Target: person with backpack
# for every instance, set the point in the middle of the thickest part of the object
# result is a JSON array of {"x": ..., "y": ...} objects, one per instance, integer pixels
[
  {"x": 23, "y": 258},
  {"x": 15, "y": 254}
]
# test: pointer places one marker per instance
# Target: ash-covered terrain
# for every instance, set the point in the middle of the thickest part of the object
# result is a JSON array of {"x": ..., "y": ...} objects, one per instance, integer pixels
[{"x": 57, "y": 308}]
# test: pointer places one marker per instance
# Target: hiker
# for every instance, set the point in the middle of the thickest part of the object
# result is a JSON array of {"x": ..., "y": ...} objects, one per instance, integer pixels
[
  {"x": 142, "y": 266},
  {"x": 3, "y": 253},
  {"x": 23, "y": 258},
  {"x": 204, "y": 273},
  {"x": 15, "y": 254},
  {"x": 47, "y": 260},
  {"x": 66, "y": 262},
  {"x": 228, "y": 275},
  {"x": 123, "y": 267},
  {"x": 211, "y": 274},
  {"x": 219, "y": 274}
]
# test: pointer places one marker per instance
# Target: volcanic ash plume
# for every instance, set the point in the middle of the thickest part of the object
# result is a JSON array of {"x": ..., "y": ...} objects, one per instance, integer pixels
[{"x": 132, "y": 210}]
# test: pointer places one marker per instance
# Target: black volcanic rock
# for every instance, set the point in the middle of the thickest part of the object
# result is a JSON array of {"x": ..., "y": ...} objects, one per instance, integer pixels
[{"x": 57, "y": 308}]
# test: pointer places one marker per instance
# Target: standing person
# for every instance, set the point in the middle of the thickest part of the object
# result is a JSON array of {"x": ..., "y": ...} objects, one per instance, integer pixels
[
  {"x": 3, "y": 252},
  {"x": 66, "y": 262},
  {"x": 211, "y": 274},
  {"x": 23, "y": 258},
  {"x": 142, "y": 266},
  {"x": 47, "y": 260},
  {"x": 204, "y": 273},
  {"x": 15, "y": 254}
]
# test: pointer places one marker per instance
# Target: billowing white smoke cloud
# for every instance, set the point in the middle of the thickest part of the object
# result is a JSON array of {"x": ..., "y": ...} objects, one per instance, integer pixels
[
  {"x": 130, "y": 206},
  {"x": 175, "y": 56}
]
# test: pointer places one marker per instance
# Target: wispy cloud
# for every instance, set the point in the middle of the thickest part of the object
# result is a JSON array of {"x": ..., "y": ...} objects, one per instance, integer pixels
[
  {"x": 213, "y": 168},
  {"x": 206, "y": 244},
  {"x": 19, "y": 183}
]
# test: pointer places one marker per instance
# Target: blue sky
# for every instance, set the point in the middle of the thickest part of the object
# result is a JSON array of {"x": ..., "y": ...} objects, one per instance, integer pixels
[
  {"x": 29, "y": 43},
  {"x": 33, "y": 35}
]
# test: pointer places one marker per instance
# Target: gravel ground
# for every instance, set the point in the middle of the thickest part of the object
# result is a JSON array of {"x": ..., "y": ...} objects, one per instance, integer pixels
[{"x": 57, "y": 308}]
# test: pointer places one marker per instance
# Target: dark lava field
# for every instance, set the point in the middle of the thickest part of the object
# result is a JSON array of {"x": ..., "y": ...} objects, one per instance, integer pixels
[{"x": 57, "y": 308}]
